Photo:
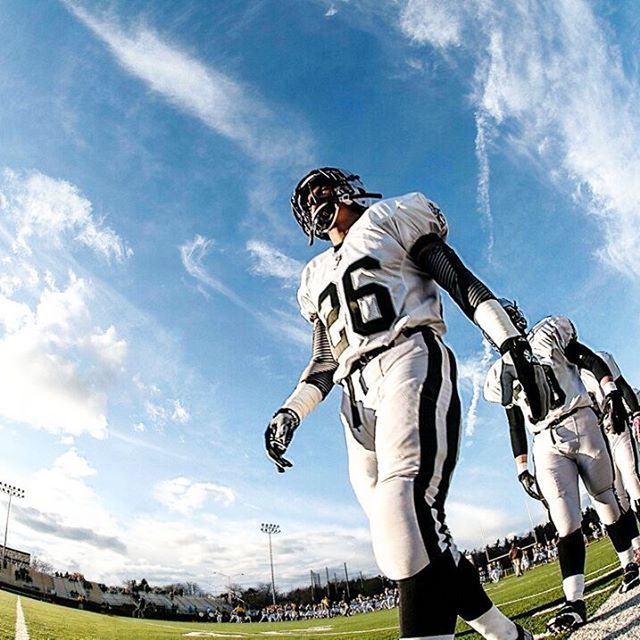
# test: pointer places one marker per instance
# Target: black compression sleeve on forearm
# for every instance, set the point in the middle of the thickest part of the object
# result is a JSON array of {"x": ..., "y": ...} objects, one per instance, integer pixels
[
  {"x": 441, "y": 262},
  {"x": 517, "y": 432},
  {"x": 580, "y": 355},
  {"x": 628, "y": 394},
  {"x": 319, "y": 372}
]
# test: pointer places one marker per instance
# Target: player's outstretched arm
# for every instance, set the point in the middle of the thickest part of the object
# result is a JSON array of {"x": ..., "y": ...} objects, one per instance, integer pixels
[
  {"x": 479, "y": 304},
  {"x": 583, "y": 357},
  {"x": 520, "y": 449},
  {"x": 315, "y": 384}
]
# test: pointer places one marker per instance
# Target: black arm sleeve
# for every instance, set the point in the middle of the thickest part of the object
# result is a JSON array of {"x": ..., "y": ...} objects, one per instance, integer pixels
[
  {"x": 628, "y": 394},
  {"x": 436, "y": 258},
  {"x": 580, "y": 355},
  {"x": 319, "y": 372},
  {"x": 518, "y": 433}
]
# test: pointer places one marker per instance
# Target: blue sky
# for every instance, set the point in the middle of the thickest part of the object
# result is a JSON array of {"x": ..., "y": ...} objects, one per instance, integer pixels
[{"x": 149, "y": 259}]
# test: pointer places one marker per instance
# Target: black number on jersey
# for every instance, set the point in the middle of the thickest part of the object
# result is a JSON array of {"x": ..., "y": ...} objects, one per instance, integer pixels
[
  {"x": 354, "y": 296},
  {"x": 559, "y": 395},
  {"x": 379, "y": 292},
  {"x": 331, "y": 292}
]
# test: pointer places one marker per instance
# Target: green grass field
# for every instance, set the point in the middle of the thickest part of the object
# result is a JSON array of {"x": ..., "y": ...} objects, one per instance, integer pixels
[{"x": 516, "y": 597}]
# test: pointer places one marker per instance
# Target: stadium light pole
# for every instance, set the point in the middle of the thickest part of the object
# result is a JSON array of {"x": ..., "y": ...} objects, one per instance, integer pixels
[
  {"x": 12, "y": 492},
  {"x": 271, "y": 529}
]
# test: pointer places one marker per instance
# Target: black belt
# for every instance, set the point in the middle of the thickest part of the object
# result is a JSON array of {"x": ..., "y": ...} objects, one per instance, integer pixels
[
  {"x": 366, "y": 358},
  {"x": 554, "y": 423}
]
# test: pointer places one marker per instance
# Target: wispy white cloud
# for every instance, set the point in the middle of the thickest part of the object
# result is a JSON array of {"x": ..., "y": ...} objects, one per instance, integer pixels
[
  {"x": 43, "y": 208},
  {"x": 434, "y": 22},
  {"x": 474, "y": 371},
  {"x": 185, "y": 495},
  {"x": 483, "y": 134},
  {"x": 193, "y": 254},
  {"x": 551, "y": 79},
  {"x": 221, "y": 102},
  {"x": 180, "y": 414},
  {"x": 270, "y": 262}
]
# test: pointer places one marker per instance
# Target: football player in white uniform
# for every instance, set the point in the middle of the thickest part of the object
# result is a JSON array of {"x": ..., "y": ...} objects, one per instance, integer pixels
[
  {"x": 567, "y": 444},
  {"x": 374, "y": 303},
  {"x": 622, "y": 445}
]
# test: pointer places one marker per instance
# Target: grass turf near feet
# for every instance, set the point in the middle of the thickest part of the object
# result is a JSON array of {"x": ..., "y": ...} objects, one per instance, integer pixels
[{"x": 7, "y": 615}]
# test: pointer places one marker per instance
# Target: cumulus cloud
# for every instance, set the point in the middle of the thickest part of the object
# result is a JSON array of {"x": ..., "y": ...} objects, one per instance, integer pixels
[
  {"x": 61, "y": 502},
  {"x": 184, "y": 495},
  {"x": 50, "y": 524},
  {"x": 49, "y": 363},
  {"x": 270, "y": 262},
  {"x": 474, "y": 525},
  {"x": 552, "y": 81},
  {"x": 42, "y": 208}
]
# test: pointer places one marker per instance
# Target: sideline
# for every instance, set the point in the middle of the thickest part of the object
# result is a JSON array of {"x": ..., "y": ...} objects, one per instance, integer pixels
[
  {"x": 21, "y": 625},
  {"x": 617, "y": 618}
]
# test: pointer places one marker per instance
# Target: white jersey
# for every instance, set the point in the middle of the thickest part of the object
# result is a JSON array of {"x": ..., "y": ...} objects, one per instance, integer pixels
[
  {"x": 593, "y": 386},
  {"x": 548, "y": 339},
  {"x": 368, "y": 290}
]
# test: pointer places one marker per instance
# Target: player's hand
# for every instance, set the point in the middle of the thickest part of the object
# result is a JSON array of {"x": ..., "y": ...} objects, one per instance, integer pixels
[
  {"x": 615, "y": 412},
  {"x": 530, "y": 485},
  {"x": 635, "y": 425},
  {"x": 278, "y": 436},
  {"x": 531, "y": 376}
]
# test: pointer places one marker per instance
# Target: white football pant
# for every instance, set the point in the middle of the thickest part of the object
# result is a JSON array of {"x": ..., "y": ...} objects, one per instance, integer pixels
[{"x": 575, "y": 449}]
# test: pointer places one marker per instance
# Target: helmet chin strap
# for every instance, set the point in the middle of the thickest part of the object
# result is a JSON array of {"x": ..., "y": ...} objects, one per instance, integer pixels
[{"x": 349, "y": 198}]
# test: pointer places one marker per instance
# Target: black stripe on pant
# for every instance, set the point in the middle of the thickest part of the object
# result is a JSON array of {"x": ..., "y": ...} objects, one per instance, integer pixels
[
  {"x": 429, "y": 448},
  {"x": 428, "y": 444},
  {"x": 453, "y": 444},
  {"x": 429, "y": 600}
]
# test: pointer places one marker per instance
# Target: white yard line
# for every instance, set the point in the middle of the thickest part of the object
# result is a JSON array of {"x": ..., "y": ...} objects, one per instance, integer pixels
[
  {"x": 21, "y": 625},
  {"x": 559, "y": 586}
]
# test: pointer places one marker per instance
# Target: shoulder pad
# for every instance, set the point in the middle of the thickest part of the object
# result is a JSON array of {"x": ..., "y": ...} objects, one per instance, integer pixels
[
  {"x": 305, "y": 301},
  {"x": 554, "y": 329}
]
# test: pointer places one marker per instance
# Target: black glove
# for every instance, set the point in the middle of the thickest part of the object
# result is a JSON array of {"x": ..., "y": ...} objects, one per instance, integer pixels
[
  {"x": 615, "y": 413},
  {"x": 278, "y": 436},
  {"x": 530, "y": 375},
  {"x": 530, "y": 485}
]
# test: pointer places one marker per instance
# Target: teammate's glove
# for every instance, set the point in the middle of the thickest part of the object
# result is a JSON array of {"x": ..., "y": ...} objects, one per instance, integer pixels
[
  {"x": 635, "y": 425},
  {"x": 278, "y": 436},
  {"x": 615, "y": 412},
  {"x": 530, "y": 485},
  {"x": 530, "y": 374}
]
